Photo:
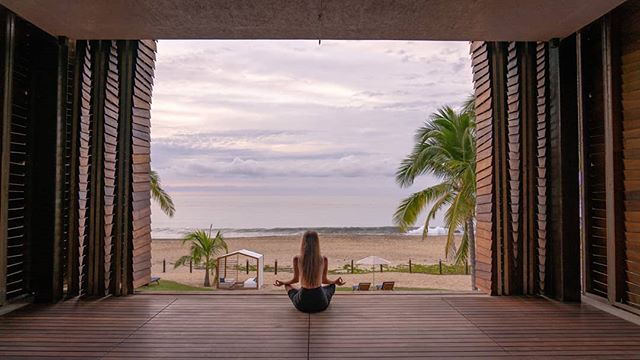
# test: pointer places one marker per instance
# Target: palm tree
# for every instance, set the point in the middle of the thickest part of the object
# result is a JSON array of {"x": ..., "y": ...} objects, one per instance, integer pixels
[
  {"x": 445, "y": 147},
  {"x": 160, "y": 196},
  {"x": 203, "y": 251}
]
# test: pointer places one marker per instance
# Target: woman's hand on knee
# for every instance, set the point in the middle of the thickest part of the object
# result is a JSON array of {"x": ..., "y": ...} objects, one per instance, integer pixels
[
  {"x": 279, "y": 283},
  {"x": 339, "y": 281}
]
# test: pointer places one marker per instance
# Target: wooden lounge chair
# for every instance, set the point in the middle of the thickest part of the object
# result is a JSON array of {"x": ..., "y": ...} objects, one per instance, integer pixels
[
  {"x": 362, "y": 287},
  {"x": 386, "y": 285}
]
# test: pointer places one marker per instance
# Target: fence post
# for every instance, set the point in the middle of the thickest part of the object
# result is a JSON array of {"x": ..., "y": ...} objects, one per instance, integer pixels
[
  {"x": 276, "y": 267},
  {"x": 440, "y": 265},
  {"x": 164, "y": 265},
  {"x": 247, "y": 266},
  {"x": 410, "y": 266},
  {"x": 191, "y": 266},
  {"x": 352, "y": 266},
  {"x": 380, "y": 267},
  {"x": 466, "y": 268}
]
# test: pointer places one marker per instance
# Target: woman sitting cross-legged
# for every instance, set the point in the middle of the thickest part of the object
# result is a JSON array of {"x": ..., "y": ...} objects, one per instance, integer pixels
[{"x": 310, "y": 268}]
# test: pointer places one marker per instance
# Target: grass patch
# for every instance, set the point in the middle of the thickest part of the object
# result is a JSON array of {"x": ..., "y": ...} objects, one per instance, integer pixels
[{"x": 168, "y": 285}]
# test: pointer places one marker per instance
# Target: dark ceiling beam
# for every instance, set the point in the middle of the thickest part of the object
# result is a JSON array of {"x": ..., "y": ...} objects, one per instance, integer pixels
[{"x": 490, "y": 20}]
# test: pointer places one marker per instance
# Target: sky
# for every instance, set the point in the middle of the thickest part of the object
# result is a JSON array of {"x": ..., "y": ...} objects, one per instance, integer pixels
[{"x": 251, "y": 134}]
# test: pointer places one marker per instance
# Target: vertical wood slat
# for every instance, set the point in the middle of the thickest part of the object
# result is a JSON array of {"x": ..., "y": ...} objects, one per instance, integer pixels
[
  {"x": 76, "y": 63},
  {"x": 563, "y": 221},
  {"x": 111, "y": 118},
  {"x": 68, "y": 212},
  {"x": 595, "y": 209},
  {"x": 84, "y": 179},
  {"x": 61, "y": 173},
  {"x": 521, "y": 155},
  {"x": 6, "y": 60},
  {"x": 630, "y": 86},
  {"x": 127, "y": 51},
  {"x": 613, "y": 163},
  {"x": 99, "y": 58},
  {"x": 541, "y": 162},
  {"x": 514, "y": 162},
  {"x": 16, "y": 171},
  {"x": 484, "y": 167},
  {"x": 529, "y": 108},
  {"x": 502, "y": 238},
  {"x": 141, "y": 200}
]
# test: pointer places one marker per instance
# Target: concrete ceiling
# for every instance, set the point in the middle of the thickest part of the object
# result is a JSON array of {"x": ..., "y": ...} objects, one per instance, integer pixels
[{"x": 312, "y": 19}]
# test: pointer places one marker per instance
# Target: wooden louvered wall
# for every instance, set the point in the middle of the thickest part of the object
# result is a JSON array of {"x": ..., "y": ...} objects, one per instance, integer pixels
[
  {"x": 34, "y": 163},
  {"x": 484, "y": 167},
  {"x": 630, "y": 93},
  {"x": 511, "y": 166},
  {"x": 141, "y": 209},
  {"x": 78, "y": 223}
]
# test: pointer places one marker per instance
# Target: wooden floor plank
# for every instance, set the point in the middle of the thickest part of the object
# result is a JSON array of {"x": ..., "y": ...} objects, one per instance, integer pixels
[{"x": 267, "y": 326}]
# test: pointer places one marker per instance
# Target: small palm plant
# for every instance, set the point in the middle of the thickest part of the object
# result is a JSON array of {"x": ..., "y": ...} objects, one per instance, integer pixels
[
  {"x": 160, "y": 196},
  {"x": 203, "y": 251}
]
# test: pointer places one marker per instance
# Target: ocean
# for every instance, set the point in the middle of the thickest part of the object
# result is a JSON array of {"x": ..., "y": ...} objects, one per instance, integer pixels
[
  {"x": 178, "y": 232},
  {"x": 255, "y": 215}
]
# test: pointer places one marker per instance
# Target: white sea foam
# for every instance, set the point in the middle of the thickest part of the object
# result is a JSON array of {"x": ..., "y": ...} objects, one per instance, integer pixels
[{"x": 437, "y": 230}]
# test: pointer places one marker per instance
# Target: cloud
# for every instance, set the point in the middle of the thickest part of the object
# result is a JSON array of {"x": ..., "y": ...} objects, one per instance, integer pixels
[{"x": 279, "y": 112}]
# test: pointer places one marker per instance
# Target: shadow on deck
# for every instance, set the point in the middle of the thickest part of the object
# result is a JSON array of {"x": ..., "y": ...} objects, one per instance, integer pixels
[{"x": 267, "y": 326}]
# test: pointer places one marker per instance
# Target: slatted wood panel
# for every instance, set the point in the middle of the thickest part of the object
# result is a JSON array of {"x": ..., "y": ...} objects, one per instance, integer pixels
[
  {"x": 514, "y": 152},
  {"x": 141, "y": 209},
  {"x": 85, "y": 160},
  {"x": 355, "y": 326},
  {"x": 630, "y": 40},
  {"x": 21, "y": 127},
  {"x": 67, "y": 188},
  {"x": 111, "y": 114},
  {"x": 484, "y": 166},
  {"x": 5, "y": 130},
  {"x": 593, "y": 153},
  {"x": 542, "y": 147}
]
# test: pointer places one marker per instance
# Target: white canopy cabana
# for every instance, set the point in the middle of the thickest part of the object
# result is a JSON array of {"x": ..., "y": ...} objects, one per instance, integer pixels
[
  {"x": 373, "y": 261},
  {"x": 228, "y": 270}
]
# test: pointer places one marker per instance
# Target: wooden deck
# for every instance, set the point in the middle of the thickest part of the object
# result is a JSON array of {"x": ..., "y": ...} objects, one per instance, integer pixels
[{"x": 356, "y": 326}]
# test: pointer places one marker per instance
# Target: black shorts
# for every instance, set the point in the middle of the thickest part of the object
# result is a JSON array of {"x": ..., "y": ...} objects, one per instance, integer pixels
[{"x": 312, "y": 300}]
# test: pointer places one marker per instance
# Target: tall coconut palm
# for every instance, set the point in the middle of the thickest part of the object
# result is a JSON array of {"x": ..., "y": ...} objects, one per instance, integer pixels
[
  {"x": 203, "y": 251},
  {"x": 445, "y": 147},
  {"x": 160, "y": 196}
]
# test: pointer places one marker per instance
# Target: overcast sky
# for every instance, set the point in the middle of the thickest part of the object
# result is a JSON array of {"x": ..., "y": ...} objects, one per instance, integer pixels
[{"x": 292, "y": 133}]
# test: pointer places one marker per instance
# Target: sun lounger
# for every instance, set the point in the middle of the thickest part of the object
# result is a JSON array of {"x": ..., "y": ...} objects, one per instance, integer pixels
[
  {"x": 362, "y": 287},
  {"x": 155, "y": 279},
  {"x": 226, "y": 283},
  {"x": 387, "y": 285},
  {"x": 250, "y": 284}
]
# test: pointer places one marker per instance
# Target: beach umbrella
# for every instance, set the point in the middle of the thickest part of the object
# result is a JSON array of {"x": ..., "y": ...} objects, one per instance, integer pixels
[{"x": 373, "y": 261}]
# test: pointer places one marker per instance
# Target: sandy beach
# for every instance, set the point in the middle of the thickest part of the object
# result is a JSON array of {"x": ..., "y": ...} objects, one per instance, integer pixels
[{"x": 340, "y": 249}]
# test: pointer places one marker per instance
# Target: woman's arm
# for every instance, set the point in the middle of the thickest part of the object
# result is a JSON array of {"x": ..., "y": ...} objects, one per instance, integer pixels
[
  {"x": 296, "y": 274},
  {"x": 325, "y": 279}
]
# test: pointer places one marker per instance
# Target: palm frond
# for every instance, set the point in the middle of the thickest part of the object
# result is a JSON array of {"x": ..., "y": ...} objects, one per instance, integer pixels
[
  {"x": 407, "y": 212},
  {"x": 160, "y": 195}
]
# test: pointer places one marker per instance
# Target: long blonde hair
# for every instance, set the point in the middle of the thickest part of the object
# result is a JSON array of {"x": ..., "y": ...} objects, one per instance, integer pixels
[{"x": 310, "y": 259}]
